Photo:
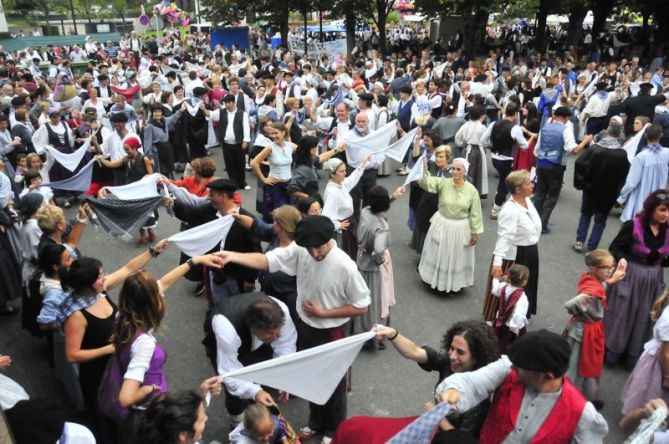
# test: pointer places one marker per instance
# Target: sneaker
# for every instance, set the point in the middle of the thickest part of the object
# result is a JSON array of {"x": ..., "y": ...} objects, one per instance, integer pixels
[
  {"x": 494, "y": 212},
  {"x": 306, "y": 432},
  {"x": 578, "y": 246},
  {"x": 247, "y": 187},
  {"x": 152, "y": 235},
  {"x": 248, "y": 167}
]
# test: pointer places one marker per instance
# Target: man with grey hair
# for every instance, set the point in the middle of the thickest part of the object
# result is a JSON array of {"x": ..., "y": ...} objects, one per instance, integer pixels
[{"x": 600, "y": 172}]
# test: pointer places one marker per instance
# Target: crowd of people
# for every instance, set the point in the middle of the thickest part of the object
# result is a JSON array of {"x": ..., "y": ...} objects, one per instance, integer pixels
[{"x": 146, "y": 114}]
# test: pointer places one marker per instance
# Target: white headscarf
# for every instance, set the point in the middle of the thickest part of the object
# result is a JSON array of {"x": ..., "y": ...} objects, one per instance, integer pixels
[{"x": 463, "y": 161}]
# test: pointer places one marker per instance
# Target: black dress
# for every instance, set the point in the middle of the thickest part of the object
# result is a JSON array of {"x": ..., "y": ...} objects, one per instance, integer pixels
[{"x": 98, "y": 334}]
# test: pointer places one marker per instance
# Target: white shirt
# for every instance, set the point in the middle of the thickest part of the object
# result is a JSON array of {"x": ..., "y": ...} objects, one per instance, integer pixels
[
  {"x": 518, "y": 318},
  {"x": 516, "y": 226},
  {"x": 516, "y": 135},
  {"x": 229, "y": 138},
  {"x": 141, "y": 353},
  {"x": 228, "y": 343},
  {"x": 343, "y": 130},
  {"x": 337, "y": 200},
  {"x": 333, "y": 282},
  {"x": 598, "y": 107},
  {"x": 478, "y": 385}
]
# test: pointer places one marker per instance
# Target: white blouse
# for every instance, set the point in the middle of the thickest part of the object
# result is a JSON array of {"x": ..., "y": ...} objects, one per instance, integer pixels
[
  {"x": 516, "y": 226},
  {"x": 337, "y": 200}
]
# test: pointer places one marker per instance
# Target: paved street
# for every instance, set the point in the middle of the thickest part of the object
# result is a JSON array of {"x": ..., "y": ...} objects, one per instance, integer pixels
[{"x": 383, "y": 382}]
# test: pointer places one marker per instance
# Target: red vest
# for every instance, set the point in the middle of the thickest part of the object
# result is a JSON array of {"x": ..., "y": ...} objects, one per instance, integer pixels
[{"x": 558, "y": 427}]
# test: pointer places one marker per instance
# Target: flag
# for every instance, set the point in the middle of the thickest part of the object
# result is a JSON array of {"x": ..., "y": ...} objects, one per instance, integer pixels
[
  {"x": 311, "y": 374},
  {"x": 198, "y": 240}
]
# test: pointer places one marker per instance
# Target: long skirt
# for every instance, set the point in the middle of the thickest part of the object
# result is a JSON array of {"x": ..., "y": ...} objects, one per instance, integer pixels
[
  {"x": 478, "y": 168},
  {"x": 10, "y": 272},
  {"x": 347, "y": 239},
  {"x": 273, "y": 197},
  {"x": 382, "y": 292},
  {"x": 528, "y": 256},
  {"x": 645, "y": 383},
  {"x": 447, "y": 261},
  {"x": 627, "y": 321}
]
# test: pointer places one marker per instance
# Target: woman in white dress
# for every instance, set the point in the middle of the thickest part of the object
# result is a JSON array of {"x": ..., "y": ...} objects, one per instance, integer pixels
[{"x": 468, "y": 139}]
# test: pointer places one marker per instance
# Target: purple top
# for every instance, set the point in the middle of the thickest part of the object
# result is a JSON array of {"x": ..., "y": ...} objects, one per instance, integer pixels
[{"x": 639, "y": 248}]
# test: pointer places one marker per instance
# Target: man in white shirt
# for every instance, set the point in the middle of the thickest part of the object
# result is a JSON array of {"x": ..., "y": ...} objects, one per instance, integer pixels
[
  {"x": 234, "y": 134},
  {"x": 330, "y": 290},
  {"x": 556, "y": 139},
  {"x": 248, "y": 328},
  {"x": 597, "y": 109},
  {"x": 533, "y": 401}
]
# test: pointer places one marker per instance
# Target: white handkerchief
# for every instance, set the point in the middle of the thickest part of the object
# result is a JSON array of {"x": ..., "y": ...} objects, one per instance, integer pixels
[
  {"x": 198, "y": 240},
  {"x": 143, "y": 188},
  {"x": 69, "y": 160}
]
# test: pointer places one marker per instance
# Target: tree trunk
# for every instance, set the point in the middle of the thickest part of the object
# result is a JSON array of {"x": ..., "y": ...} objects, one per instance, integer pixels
[
  {"x": 350, "y": 22},
  {"x": 540, "y": 30},
  {"x": 283, "y": 25},
  {"x": 600, "y": 11},
  {"x": 306, "y": 43},
  {"x": 661, "y": 17},
  {"x": 577, "y": 13},
  {"x": 381, "y": 25},
  {"x": 474, "y": 31}
]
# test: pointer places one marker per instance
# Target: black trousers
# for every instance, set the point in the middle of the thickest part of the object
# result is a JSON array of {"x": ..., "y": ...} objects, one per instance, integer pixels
[
  {"x": 360, "y": 192},
  {"x": 324, "y": 418},
  {"x": 547, "y": 191},
  {"x": 503, "y": 167},
  {"x": 233, "y": 155}
]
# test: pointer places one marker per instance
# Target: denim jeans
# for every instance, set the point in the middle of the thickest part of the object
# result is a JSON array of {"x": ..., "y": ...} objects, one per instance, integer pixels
[{"x": 584, "y": 224}]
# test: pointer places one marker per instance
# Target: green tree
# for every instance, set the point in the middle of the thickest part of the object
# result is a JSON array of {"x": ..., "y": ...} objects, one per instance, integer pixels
[{"x": 378, "y": 10}]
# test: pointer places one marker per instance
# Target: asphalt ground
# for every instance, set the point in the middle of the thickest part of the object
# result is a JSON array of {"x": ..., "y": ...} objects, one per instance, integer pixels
[{"x": 383, "y": 383}]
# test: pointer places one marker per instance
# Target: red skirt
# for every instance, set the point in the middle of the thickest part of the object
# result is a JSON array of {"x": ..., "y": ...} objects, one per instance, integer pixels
[{"x": 524, "y": 159}]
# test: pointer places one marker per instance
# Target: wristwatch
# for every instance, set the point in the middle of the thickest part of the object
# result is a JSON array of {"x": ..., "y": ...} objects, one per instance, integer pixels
[{"x": 190, "y": 263}]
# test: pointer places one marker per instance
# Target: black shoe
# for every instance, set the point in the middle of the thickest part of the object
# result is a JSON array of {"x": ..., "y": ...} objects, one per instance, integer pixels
[
  {"x": 9, "y": 310},
  {"x": 369, "y": 345},
  {"x": 382, "y": 345},
  {"x": 199, "y": 289},
  {"x": 599, "y": 405},
  {"x": 545, "y": 230}
]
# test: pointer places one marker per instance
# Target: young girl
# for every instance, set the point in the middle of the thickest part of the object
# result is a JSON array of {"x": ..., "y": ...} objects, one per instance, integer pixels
[
  {"x": 260, "y": 426},
  {"x": 513, "y": 304},
  {"x": 34, "y": 162},
  {"x": 32, "y": 182},
  {"x": 650, "y": 377},
  {"x": 585, "y": 329}
]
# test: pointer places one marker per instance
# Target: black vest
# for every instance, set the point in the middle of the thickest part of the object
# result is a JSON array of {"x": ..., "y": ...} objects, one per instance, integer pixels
[
  {"x": 234, "y": 309},
  {"x": 237, "y": 125},
  {"x": 241, "y": 103},
  {"x": 502, "y": 142}
]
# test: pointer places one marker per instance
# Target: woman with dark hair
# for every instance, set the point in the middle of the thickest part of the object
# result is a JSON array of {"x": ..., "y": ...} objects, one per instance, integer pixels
[
  {"x": 279, "y": 155},
  {"x": 468, "y": 140},
  {"x": 89, "y": 317},
  {"x": 176, "y": 417},
  {"x": 374, "y": 262},
  {"x": 466, "y": 346},
  {"x": 204, "y": 169},
  {"x": 157, "y": 143},
  {"x": 141, "y": 309},
  {"x": 644, "y": 243},
  {"x": 310, "y": 206},
  {"x": 304, "y": 182},
  {"x": 424, "y": 144},
  {"x": 263, "y": 139},
  {"x": 524, "y": 159}
]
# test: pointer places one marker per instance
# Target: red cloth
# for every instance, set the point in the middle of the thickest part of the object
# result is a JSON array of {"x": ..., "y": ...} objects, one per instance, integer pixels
[
  {"x": 591, "y": 361},
  {"x": 369, "y": 429},
  {"x": 558, "y": 427},
  {"x": 128, "y": 93},
  {"x": 192, "y": 187},
  {"x": 524, "y": 159}
]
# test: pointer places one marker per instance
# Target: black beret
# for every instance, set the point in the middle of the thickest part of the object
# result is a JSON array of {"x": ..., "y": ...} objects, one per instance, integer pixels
[
  {"x": 601, "y": 86},
  {"x": 229, "y": 98},
  {"x": 199, "y": 91},
  {"x": 223, "y": 185},
  {"x": 646, "y": 85},
  {"x": 18, "y": 101},
  {"x": 562, "y": 111},
  {"x": 30, "y": 203},
  {"x": 118, "y": 117},
  {"x": 366, "y": 96},
  {"x": 541, "y": 351},
  {"x": 406, "y": 89},
  {"x": 314, "y": 231},
  {"x": 103, "y": 77}
]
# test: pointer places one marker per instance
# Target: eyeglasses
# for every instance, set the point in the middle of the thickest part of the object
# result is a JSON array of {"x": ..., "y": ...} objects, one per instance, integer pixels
[{"x": 607, "y": 267}]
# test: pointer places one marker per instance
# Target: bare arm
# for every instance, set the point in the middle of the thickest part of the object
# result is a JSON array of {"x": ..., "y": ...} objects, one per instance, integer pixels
[
  {"x": 258, "y": 160},
  {"x": 257, "y": 261},
  {"x": 313, "y": 308},
  {"x": 177, "y": 272},
  {"x": 404, "y": 345},
  {"x": 132, "y": 392},
  {"x": 75, "y": 328}
]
